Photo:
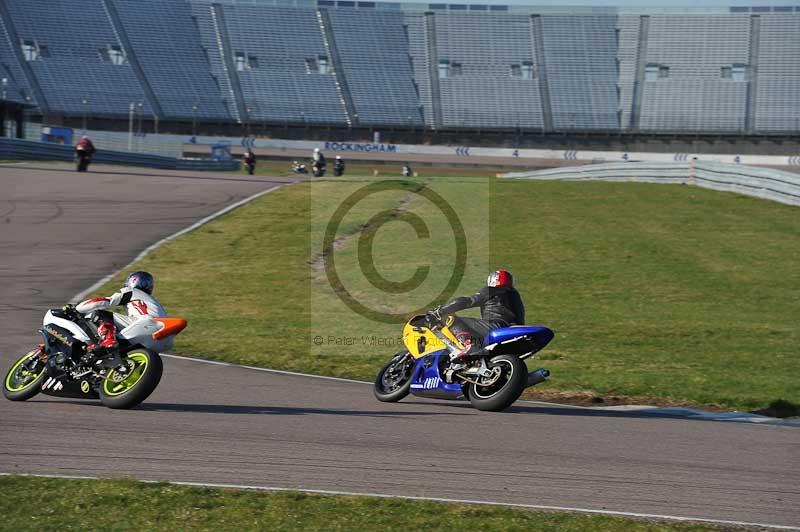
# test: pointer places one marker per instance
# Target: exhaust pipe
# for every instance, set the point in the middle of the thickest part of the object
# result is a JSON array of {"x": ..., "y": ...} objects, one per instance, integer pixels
[{"x": 538, "y": 376}]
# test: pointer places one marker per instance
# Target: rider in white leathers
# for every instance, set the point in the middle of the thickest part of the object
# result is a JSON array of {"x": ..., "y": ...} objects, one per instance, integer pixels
[{"x": 136, "y": 296}]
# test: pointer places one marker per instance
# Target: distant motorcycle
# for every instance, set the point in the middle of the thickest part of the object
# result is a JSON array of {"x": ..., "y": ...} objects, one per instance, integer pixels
[
  {"x": 492, "y": 382},
  {"x": 298, "y": 168},
  {"x": 318, "y": 169},
  {"x": 338, "y": 167},
  {"x": 250, "y": 163},
  {"x": 62, "y": 365},
  {"x": 82, "y": 159}
]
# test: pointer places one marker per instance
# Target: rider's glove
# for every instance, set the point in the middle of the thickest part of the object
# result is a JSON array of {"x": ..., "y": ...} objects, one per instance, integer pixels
[{"x": 70, "y": 310}]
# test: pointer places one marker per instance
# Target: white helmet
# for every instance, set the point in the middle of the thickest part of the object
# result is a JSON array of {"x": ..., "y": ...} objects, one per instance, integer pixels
[{"x": 316, "y": 150}]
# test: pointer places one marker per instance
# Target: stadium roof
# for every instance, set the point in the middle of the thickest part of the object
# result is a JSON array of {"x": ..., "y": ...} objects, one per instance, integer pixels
[
  {"x": 625, "y": 3},
  {"x": 548, "y": 6}
]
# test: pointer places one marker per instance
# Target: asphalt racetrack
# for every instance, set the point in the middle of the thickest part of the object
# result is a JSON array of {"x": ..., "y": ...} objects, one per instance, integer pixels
[{"x": 61, "y": 231}]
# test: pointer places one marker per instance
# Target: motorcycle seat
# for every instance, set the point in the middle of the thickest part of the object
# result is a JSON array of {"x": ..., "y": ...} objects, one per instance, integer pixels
[{"x": 540, "y": 335}]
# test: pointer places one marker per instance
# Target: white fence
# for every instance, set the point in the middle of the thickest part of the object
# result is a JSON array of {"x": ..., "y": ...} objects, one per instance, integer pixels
[
  {"x": 172, "y": 146},
  {"x": 774, "y": 185},
  {"x": 351, "y": 148}
]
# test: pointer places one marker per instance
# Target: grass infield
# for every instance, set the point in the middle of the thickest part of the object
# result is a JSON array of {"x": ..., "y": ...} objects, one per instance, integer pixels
[
  {"x": 670, "y": 294},
  {"x": 33, "y": 503}
]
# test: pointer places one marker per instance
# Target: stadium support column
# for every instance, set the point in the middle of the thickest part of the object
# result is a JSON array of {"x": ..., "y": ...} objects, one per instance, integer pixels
[
  {"x": 752, "y": 78},
  {"x": 433, "y": 69},
  {"x": 537, "y": 32},
  {"x": 224, "y": 42},
  {"x": 338, "y": 71},
  {"x": 130, "y": 54},
  {"x": 641, "y": 62},
  {"x": 33, "y": 83}
]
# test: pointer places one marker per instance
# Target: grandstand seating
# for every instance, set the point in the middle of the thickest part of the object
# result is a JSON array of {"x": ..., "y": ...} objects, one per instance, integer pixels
[
  {"x": 778, "y": 88},
  {"x": 485, "y": 93},
  {"x": 167, "y": 44},
  {"x": 627, "y": 55},
  {"x": 580, "y": 57},
  {"x": 281, "y": 87},
  {"x": 420, "y": 63},
  {"x": 206, "y": 25},
  {"x": 374, "y": 55},
  {"x": 441, "y": 66},
  {"x": 693, "y": 95},
  {"x": 17, "y": 88},
  {"x": 72, "y": 69}
]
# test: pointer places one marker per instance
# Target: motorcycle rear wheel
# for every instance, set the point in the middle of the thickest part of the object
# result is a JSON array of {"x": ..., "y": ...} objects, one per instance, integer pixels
[
  {"x": 120, "y": 391},
  {"x": 21, "y": 383},
  {"x": 503, "y": 391},
  {"x": 390, "y": 387}
]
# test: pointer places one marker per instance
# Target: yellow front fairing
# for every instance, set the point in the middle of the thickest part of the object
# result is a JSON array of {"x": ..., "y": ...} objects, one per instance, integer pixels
[{"x": 420, "y": 340}]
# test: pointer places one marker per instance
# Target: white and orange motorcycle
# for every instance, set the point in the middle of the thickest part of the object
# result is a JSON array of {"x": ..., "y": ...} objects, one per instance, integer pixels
[{"x": 62, "y": 366}]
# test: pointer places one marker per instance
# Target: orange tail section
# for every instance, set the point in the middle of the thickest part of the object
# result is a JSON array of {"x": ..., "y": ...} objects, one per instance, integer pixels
[{"x": 172, "y": 326}]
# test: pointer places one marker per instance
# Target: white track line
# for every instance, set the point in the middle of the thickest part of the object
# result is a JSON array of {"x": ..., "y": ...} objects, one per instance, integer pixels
[
  {"x": 436, "y": 499},
  {"x": 266, "y": 370},
  {"x": 674, "y": 413},
  {"x": 82, "y": 295}
]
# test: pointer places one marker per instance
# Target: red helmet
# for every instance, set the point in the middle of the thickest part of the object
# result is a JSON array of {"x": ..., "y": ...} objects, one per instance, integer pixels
[{"x": 499, "y": 279}]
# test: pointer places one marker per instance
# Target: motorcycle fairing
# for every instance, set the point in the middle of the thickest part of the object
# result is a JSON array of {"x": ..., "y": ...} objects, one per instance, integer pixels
[
  {"x": 421, "y": 341},
  {"x": 61, "y": 386},
  {"x": 156, "y": 334},
  {"x": 54, "y": 319},
  {"x": 427, "y": 381},
  {"x": 518, "y": 339}
]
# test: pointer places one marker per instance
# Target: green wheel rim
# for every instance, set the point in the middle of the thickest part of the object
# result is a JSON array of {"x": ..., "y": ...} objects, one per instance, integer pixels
[
  {"x": 19, "y": 374},
  {"x": 113, "y": 388}
]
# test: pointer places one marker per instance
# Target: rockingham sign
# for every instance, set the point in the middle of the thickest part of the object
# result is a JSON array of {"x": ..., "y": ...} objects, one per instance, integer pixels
[{"x": 357, "y": 147}]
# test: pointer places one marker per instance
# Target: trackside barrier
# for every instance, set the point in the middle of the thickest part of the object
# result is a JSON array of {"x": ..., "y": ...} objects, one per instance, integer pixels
[
  {"x": 774, "y": 185},
  {"x": 27, "y": 149}
]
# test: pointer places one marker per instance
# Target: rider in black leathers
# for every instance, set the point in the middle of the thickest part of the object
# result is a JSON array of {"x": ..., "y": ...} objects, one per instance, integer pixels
[{"x": 501, "y": 306}]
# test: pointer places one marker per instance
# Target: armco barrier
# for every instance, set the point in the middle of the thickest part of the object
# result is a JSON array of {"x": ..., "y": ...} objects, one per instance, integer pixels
[
  {"x": 26, "y": 149},
  {"x": 764, "y": 183},
  {"x": 774, "y": 185}
]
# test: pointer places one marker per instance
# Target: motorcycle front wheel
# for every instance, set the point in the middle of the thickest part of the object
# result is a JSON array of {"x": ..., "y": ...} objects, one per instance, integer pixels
[
  {"x": 126, "y": 390},
  {"x": 393, "y": 381},
  {"x": 24, "y": 379},
  {"x": 502, "y": 388}
]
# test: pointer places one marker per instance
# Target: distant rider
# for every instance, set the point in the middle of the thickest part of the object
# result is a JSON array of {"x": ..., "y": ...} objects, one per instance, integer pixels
[
  {"x": 338, "y": 166},
  {"x": 407, "y": 171},
  {"x": 319, "y": 163},
  {"x": 136, "y": 296},
  {"x": 85, "y": 145},
  {"x": 501, "y": 306},
  {"x": 249, "y": 161},
  {"x": 318, "y": 157}
]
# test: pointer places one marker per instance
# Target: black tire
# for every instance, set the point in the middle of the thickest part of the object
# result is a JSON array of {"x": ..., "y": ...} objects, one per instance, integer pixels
[
  {"x": 387, "y": 388},
  {"x": 16, "y": 391},
  {"x": 507, "y": 388},
  {"x": 139, "y": 390}
]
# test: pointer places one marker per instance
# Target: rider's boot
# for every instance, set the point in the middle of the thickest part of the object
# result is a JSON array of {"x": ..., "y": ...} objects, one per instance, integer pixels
[{"x": 107, "y": 347}]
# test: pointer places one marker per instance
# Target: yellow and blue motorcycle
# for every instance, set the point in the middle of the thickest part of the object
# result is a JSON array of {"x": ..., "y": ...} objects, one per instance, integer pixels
[{"x": 492, "y": 381}]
